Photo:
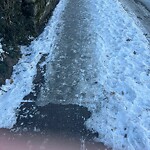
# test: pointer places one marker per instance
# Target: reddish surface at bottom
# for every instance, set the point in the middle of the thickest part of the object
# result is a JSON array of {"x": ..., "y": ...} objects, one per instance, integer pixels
[{"x": 51, "y": 141}]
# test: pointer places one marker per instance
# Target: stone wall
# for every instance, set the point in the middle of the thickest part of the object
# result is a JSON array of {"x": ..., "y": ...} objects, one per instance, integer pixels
[{"x": 19, "y": 21}]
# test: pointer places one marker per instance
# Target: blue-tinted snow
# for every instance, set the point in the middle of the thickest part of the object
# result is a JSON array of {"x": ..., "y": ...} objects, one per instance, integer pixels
[{"x": 121, "y": 114}]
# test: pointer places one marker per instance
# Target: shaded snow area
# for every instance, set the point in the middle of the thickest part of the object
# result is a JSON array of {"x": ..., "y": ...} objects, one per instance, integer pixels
[
  {"x": 25, "y": 70},
  {"x": 146, "y": 3},
  {"x": 73, "y": 74},
  {"x": 118, "y": 57}
]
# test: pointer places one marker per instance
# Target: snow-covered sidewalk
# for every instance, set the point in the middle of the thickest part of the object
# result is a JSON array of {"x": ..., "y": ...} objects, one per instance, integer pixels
[
  {"x": 121, "y": 105},
  {"x": 72, "y": 76}
]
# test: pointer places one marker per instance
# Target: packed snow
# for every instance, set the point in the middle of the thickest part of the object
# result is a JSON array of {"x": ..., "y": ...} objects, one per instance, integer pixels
[
  {"x": 123, "y": 117},
  {"x": 121, "y": 113}
]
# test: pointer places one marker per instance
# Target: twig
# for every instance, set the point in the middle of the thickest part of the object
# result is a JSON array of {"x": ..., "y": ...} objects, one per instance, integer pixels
[{"x": 2, "y": 90}]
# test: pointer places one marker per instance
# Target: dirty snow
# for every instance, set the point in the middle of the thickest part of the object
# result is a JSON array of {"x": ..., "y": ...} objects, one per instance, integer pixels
[{"x": 121, "y": 115}]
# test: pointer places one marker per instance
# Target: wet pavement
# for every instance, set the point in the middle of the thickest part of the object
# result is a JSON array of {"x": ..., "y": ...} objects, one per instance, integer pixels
[
  {"x": 57, "y": 118},
  {"x": 53, "y": 126}
]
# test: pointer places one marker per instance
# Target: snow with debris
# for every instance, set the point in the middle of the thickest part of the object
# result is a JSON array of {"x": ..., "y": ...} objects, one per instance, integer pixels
[
  {"x": 121, "y": 115},
  {"x": 123, "y": 119}
]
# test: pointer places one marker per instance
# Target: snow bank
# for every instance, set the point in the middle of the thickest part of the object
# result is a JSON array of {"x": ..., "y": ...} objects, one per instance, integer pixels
[
  {"x": 25, "y": 70},
  {"x": 122, "y": 117}
]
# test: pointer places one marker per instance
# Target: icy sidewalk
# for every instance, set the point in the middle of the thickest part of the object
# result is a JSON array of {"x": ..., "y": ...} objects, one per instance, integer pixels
[{"x": 72, "y": 76}]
